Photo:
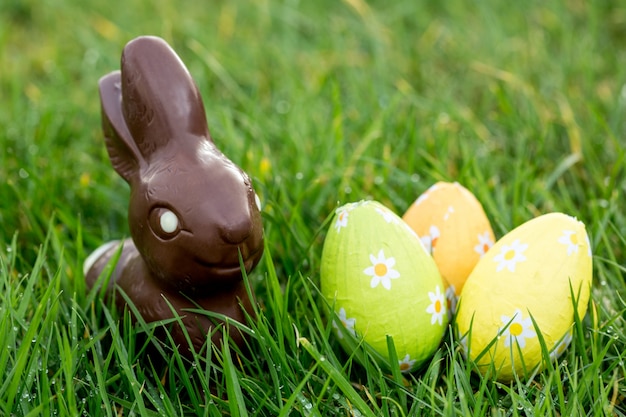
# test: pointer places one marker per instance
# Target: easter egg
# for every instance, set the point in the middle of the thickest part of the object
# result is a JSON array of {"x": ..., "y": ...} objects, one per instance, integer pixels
[
  {"x": 453, "y": 225},
  {"x": 379, "y": 281},
  {"x": 522, "y": 289}
]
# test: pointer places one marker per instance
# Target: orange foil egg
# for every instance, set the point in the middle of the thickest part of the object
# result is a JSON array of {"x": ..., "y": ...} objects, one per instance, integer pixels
[{"x": 452, "y": 224}]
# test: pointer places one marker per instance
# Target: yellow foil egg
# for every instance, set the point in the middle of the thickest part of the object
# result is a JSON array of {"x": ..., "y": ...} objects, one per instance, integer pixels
[
  {"x": 523, "y": 286},
  {"x": 380, "y": 281},
  {"x": 454, "y": 227}
]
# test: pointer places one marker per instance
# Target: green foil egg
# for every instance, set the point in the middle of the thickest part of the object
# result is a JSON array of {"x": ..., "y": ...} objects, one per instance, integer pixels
[{"x": 380, "y": 281}]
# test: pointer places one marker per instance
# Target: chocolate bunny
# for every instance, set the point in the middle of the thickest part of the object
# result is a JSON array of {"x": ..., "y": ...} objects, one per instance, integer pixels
[{"x": 192, "y": 211}]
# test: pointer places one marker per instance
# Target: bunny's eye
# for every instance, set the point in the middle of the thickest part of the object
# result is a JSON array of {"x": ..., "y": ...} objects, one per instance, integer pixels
[
  {"x": 168, "y": 222},
  {"x": 164, "y": 223}
]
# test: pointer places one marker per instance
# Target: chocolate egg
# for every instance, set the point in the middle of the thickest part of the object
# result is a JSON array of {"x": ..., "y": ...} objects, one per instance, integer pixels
[
  {"x": 380, "y": 281},
  {"x": 523, "y": 286},
  {"x": 453, "y": 225}
]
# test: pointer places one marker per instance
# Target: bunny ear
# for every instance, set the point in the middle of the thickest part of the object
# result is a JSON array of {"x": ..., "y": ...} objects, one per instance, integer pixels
[
  {"x": 122, "y": 149},
  {"x": 160, "y": 101}
]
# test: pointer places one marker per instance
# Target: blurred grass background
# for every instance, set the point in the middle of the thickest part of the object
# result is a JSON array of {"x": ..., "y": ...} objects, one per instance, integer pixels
[{"x": 324, "y": 103}]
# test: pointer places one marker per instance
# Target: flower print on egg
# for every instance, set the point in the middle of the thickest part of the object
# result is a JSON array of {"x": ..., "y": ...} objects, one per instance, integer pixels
[
  {"x": 448, "y": 213},
  {"x": 510, "y": 255},
  {"x": 406, "y": 364},
  {"x": 430, "y": 240},
  {"x": 451, "y": 300},
  {"x": 484, "y": 243},
  {"x": 342, "y": 219},
  {"x": 437, "y": 307},
  {"x": 347, "y": 323},
  {"x": 516, "y": 328},
  {"x": 381, "y": 271},
  {"x": 425, "y": 194},
  {"x": 561, "y": 345},
  {"x": 569, "y": 238},
  {"x": 387, "y": 214}
]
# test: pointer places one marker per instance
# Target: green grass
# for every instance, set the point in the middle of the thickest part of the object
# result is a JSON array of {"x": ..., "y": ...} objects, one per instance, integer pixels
[{"x": 322, "y": 103}]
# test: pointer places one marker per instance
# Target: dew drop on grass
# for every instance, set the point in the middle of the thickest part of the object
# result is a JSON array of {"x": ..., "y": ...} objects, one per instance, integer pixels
[
  {"x": 283, "y": 107},
  {"x": 299, "y": 176},
  {"x": 23, "y": 173}
]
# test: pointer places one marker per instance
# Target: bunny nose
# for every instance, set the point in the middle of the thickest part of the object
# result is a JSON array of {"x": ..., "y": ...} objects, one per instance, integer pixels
[{"x": 237, "y": 233}]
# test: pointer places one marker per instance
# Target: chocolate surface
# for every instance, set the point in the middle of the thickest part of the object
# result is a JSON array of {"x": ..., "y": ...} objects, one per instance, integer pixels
[{"x": 192, "y": 211}]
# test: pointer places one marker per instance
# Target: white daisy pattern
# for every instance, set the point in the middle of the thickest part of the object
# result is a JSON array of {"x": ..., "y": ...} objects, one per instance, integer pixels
[
  {"x": 342, "y": 219},
  {"x": 437, "y": 307},
  {"x": 421, "y": 199},
  {"x": 424, "y": 195},
  {"x": 484, "y": 243},
  {"x": 516, "y": 328},
  {"x": 406, "y": 364},
  {"x": 569, "y": 238},
  {"x": 430, "y": 240},
  {"x": 561, "y": 345},
  {"x": 347, "y": 323},
  {"x": 387, "y": 214},
  {"x": 510, "y": 256},
  {"x": 381, "y": 270},
  {"x": 448, "y": 213},
  {"x": 451, "y": 300}
]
